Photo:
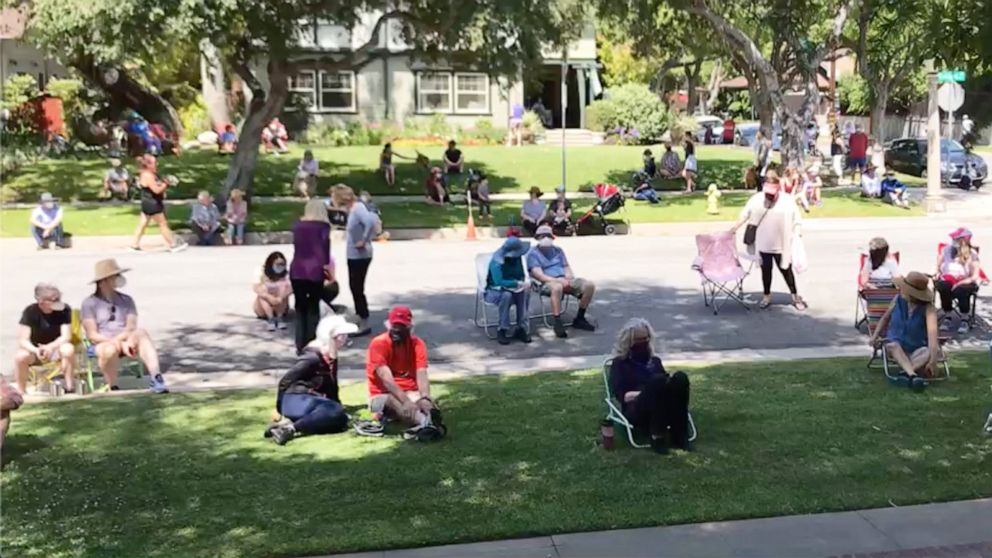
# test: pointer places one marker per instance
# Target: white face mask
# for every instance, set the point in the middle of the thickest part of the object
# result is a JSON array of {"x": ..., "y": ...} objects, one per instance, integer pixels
[
  {"x": 546, "y": 242},
  {"x": 120, "y": 282}
]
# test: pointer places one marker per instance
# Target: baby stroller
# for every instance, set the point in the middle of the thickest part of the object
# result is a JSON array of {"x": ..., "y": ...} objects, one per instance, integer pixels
[{"x": 610, "y": 200}]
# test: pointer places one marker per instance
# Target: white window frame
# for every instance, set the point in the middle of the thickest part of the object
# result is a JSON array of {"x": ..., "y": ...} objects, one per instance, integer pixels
[
  {"x": 314, "y": 91},
  {"x": 320, "y": 92},
  {"x": 456, "y": 93},
  {"x": 421, "y": 92}
]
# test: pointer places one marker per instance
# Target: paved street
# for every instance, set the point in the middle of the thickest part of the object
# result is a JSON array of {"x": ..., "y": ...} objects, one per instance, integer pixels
[{"x": 197, "y": 304}]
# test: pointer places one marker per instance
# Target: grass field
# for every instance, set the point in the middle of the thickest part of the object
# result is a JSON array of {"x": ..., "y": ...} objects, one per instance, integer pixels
[
  {"x": 189, "y": 475},
  {"x": 280, "y": 216}
]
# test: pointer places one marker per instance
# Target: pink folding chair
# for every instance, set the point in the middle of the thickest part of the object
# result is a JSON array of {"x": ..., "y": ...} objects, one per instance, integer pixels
[{"x": 721, "y": 272}]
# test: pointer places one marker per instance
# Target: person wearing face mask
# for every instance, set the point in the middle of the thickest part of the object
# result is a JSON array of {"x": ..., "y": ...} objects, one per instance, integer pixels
[
  {"x": 308, "y": 392},
  {"x": 272, "y": 292},
  {"x": 777, "y": 223},
  {"x": 110, "y": 320},
  {"x": 550, "y": 269},
  {"x": 396, "y": 369},
  {"x": 506, "y": 286},
  {"x": 46, "y": 223},
  {"x": 651, "y": 399}
]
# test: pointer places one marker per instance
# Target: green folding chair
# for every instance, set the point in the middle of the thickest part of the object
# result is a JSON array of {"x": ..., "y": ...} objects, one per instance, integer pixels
[{"x": 614, "y": 411}]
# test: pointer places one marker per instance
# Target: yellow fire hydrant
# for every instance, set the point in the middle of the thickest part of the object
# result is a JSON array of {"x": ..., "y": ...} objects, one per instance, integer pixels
[{"x": 713, "y": 200}]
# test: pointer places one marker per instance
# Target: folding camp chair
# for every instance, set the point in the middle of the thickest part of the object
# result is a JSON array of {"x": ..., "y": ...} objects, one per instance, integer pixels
[
  {"x": 481, "y": 306},
  {"x": 720, "y": 270},
  {"x": 860, "y": 304},
  {"x": 132, "y": 364},
  {"x": 40, "y": 375},
  {"x": 614, "y": 411},
  {"x": 983, "y": 279},
  {"x": 877, "y": 302}
]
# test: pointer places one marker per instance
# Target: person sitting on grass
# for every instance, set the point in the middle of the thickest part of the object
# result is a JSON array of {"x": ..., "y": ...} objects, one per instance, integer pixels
[
  {"x": 274, "y": 137},
  {"x": 643, "y": 191},
  {"x": 272, "y": 291},
  {"x": 396, "y": 369},
  {"x": 110, "y": 320},
  {"x": 871, "y": 186},
  {"x": 306, "y": 174},
  {"x": 533, "y": 212},
  {"x": 205, "y": 219},
  {"x": 454, "y": 161},
  {"x": 236, "y": 214},
  {"x": 881, "y": 267},
  {"x": 46, "y": 223},
  {"x": 227, "y": 142},
  {"x": 651, "y": 399},
  {"x": 44, "y": 336},
  {"x": 650, "y": 168},
  {"x": 115, "y": 181},
  {"x": 506, "y": 285},
  {"x": 10, "y": 400},
  {"x": 553, "y": 275},
  {"x": 435, "y": 188},
  {"x": 560, "y": 211},
  {"x": 671, "y": 165},
  {"x": 308, "y": 392},
  {"x": 910, "y": 329},
  {"x": 894, "y": 191}
]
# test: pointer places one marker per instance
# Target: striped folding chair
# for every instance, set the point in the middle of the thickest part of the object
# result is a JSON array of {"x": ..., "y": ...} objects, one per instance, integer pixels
[
  {"x": 860, "y": 304},
  {"x": 877, "y": 302}
]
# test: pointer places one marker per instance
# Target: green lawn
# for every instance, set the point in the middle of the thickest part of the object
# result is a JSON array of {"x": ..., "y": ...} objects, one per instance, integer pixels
[
  {"x": 508, "y": 169},
  {"x": 984, "y": 149},
  {"x": 190, "y": 475},
  {"x": 279, "y": 216}
]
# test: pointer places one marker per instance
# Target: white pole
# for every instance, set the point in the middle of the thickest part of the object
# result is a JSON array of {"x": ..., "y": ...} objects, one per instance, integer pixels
[
  {"x": 564, "y": 105},
  {"x": 935, "y": 202}
]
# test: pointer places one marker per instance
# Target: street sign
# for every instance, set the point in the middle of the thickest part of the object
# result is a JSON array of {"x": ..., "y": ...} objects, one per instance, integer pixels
[
  {"x": 950, "y": 97},
  {"x": 951, "y": 76}
]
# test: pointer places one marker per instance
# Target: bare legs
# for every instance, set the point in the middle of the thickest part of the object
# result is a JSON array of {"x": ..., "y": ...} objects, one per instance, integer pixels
[
  {"x": 23, "y": 360},
  {"x": 163, "y": 227},
  {"x": 109, "y": 359}
]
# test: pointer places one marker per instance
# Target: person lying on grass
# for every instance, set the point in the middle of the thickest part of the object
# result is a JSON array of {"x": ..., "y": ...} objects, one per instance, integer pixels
[
  {"x": 651, "y": 399},
  {"x": 396, "y": 369},
  {"x": 308, "y": 392},
  {"x": 910, "y": 330}
]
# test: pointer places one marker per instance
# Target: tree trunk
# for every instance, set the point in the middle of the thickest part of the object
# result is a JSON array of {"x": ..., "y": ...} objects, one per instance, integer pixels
[
  {"x": 126, "y": 92},
  {"x": 714, "y": 88},
  {"x": 878, "y": 106},
  {"x": 214, "y": 88},
  {"x": 262, "y": 108},
  {"x": 692, "y": 82}
]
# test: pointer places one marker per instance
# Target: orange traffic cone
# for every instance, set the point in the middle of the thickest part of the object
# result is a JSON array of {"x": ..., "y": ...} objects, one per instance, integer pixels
[{"x": 470, "y": 234}]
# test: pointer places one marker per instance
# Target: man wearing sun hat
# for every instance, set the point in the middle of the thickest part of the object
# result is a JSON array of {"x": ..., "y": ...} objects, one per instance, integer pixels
[
  {"x": 110, "y": 320},
  {"x": 45, "y": 336},
  {"x": 550, "y": 269},
  {"x": 910, "y": 328},
  {"x": 396, "y": 369}
]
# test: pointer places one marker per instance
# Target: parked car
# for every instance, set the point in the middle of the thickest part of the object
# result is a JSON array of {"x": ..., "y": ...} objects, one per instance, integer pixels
[
  {"x": 746, "y": 132},
  {"x": 957, "y": 165},
  {"x": 707, "y": 121}
]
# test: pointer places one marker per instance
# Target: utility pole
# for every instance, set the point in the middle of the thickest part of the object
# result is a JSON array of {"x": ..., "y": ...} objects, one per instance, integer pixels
[
  {"x": 564, "y": 105},
  {"x": 934, "y": 200}
]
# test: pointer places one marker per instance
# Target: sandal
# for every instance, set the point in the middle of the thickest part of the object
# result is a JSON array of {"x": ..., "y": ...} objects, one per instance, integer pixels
[{"x": 799, "y": 304}]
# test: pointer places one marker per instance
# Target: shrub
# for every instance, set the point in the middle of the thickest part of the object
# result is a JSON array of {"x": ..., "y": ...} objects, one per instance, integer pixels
[
  {"x": 19, "y": 89},
  {"x": 194, "y": 118},
  {"x": 69, "y": 90},
  {"x": 680, "y": 126},
  {"x": 639, "y": 108},
  {"x": 533, "y": 124},
  {"x": 601, "y": 115},
  {"x": 439, "y": 126},
  {"x": 358, "y": 133}
]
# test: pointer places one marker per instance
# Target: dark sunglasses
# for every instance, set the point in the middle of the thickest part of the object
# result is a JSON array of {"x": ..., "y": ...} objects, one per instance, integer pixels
[{"x": 540, "y": 236}]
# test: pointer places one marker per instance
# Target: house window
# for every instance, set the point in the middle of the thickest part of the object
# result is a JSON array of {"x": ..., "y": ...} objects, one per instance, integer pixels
[
  {"x": 304, "y": 85},
  {"x": 337, "y": 91},
  {"x": 433, "y": 92},
  {"x": 471, "y": 93}
]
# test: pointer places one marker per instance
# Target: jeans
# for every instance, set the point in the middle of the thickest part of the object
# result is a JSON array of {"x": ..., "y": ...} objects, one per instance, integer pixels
[
  {"x": 358, "y": 270},
  {"x": 312, "y": 414},
  {"x": 55, "y": 236},
  {"x": 662, "y": 404},
  {"x": 205, "y": 238},
  {"x": 505, "y": 299},
  {"x": 766, "y": 272},
  {"x": 236, "y": 231},
  {"x": 647, "y": 194},
  {"x": 306, "y": 296},
  {"x": 961, "y": 294}
]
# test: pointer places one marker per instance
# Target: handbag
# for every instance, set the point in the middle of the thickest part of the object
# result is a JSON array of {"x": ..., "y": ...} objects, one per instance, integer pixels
[{"x": 751, "y": 231}]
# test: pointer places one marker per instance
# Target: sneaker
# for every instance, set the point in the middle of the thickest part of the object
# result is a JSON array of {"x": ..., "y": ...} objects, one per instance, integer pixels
[
  {"x": 583, "y": 324},
  {"x": 964, "y": 327},
  {"x": 945, "y": 324},
  {"x": 271, "y": 325},
  {"x": 157, "y": 385},
  {"x": 559, "y": 327},
  {"x": 373, "y": 428},
  {"x": 115, "y": 388},
  {"x": 134, "y": 248},
  {"x": 179, "y": 246},
  {"x": 281, "y": 324},
  {"x": 522, "y": 335},
  {"x": 501, "y": 337},
  {"x": 436, "y": 418},
  {"x": 428, "y": 433},
  {"x": 268, "y": 431},
  {"x": 902, "y": 379},
  {"x": 283, "y": 434},
  {"x": 917, "y": 384},
  {"x": 363, "y": 328}
]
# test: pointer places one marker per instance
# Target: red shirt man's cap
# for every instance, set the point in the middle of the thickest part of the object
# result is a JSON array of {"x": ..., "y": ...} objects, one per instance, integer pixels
[{"x": 401, "y": 315}]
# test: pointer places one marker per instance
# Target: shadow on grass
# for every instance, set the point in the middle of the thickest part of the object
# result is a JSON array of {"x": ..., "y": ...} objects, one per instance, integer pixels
[{"x": 192, "y": 475}]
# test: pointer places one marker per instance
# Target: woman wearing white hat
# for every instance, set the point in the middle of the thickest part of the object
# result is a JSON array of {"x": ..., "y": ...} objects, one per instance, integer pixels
[
  {"x": 110, "y": 320},
  {"x": 308, "y": 393}
]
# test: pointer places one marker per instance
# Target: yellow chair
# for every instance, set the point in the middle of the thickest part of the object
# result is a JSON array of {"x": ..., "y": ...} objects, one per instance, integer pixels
[{"x": 41, "y": 374}]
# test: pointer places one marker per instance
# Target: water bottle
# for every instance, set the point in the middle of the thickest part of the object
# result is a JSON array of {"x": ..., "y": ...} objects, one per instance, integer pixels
[{"x": 606, "y": 434}]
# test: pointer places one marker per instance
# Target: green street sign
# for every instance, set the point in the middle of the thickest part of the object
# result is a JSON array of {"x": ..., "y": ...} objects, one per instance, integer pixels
[{"x": 951, "y": 76}]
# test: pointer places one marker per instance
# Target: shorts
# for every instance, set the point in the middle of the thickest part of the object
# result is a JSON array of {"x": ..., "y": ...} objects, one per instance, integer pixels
[
  {"x": 578, "y": 285},
  {"x": 152, "y": 207},
  {"x": 860, "y": 163},
  {"x": 377, "y": 403},
  {"x": 516, "y": 122},
  {"x": 54, "y": 358},
  {"x": 690, "y": 164}
]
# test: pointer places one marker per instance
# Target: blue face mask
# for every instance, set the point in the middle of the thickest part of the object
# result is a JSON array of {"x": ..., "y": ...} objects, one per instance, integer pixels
[{"x": 279, "y": 268}]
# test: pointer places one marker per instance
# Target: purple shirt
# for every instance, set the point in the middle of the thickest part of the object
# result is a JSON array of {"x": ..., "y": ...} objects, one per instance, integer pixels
[{"x": 311, "y": 250}]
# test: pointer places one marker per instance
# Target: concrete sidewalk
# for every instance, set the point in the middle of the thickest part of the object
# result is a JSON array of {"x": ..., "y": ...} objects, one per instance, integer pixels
[{"x": 953, "y": 529}]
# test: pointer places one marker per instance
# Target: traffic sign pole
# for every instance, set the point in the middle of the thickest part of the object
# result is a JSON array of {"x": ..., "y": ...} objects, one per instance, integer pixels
[{"x": 934, "y": 200}]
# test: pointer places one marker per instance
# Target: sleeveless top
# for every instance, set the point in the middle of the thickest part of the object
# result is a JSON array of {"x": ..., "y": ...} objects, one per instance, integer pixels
[{"x": 908, "y": 329}]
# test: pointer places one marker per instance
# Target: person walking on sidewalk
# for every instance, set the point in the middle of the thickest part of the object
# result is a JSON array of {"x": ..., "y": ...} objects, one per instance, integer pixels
[
  {"x": 153, "y": 204},
  {"x": 311, "y": 265},
  {"x": 360, "y": 230}
]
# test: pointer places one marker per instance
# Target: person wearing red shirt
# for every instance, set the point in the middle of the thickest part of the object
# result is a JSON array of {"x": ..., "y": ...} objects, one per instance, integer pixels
[
  {"x": 729, "y": 126},
  {"x": 857, "y": 153},
  {"x": 396, "y": 369}
]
